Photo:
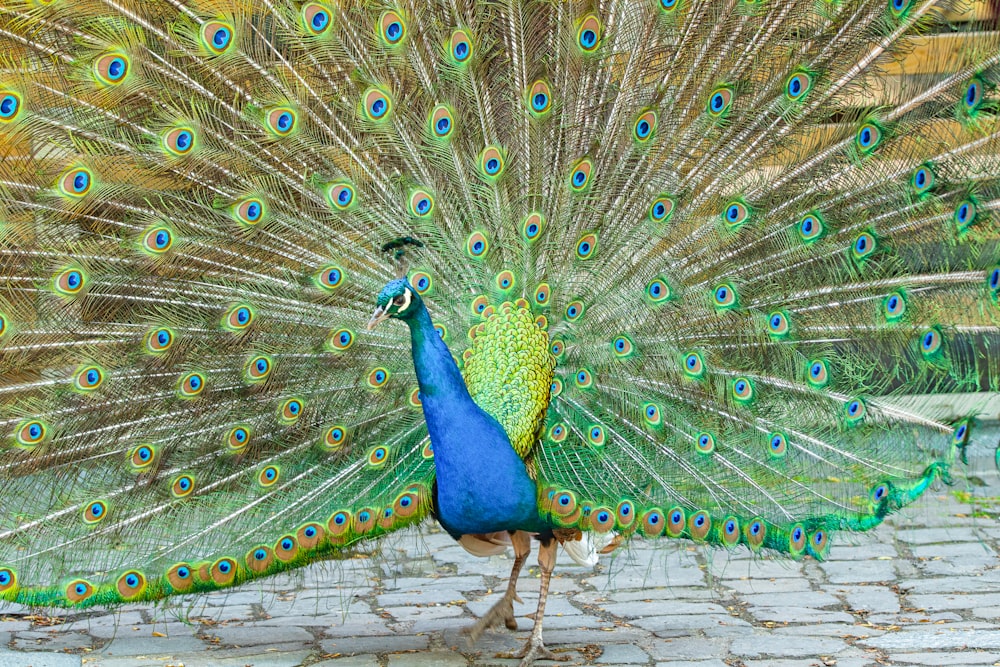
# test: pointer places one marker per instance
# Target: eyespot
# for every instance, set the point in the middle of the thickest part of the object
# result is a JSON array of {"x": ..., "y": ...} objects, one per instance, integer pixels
[
  {"x": 532, "y": 227},
  {"x": 558, "y": 432},
  {"x": 868, "y": 138},
  {"x": 993, "y": 280},
  {"x": 342, "y": 339},
  {"x": 657, "y": 290},
  {"x": 719, "y": 101},
  {"x": 460, "y": 47},
  {"x": 584, "y": 379},
  {"x": 441, "y": 122},
  {"x": 651, "y": 413},
  {"x": 622, "y": 347},
  {"x": 223, "y": 571},
  {"x": 574, "y": 311},
  {"x": 392, "y": 28},
  {"x": 339, "y": 523},
  {"x": 330, "y": 278},
  {"x": 309, "y": 536},
  {"x": 268, "y": 476},
  {"x": 894, "y": 306},
  {"x": 414, "y": 399},
  {"x": 180, "y": 577},
  {"x": 693, "y": 364},
  {"x": 704, "y": 443},
  {"x": 777, "y": 445},
  {"x": 810, "y": 227},
  {"x": 539, "y": 98},
  {"x": 644, "y": 126},
  {"x": 661, "y": 209},
  {"x": 899, "y": 7},
  {"x": 260, "y": 558},
  {"x": 70, "y": 282},
  {"x": 217, "y": 37},
  {"x": 159, "y": 340},
  {"x": 491, "y": 163},
  {"x": 238, "y": 438},
  {"x": 141, "y": 458},
  {"x": 505, "y": 280},
  {"x": 179, "y": 141},
  {"x": 818, "y": 543},
  {"x": 477, "y": 246},
  {"x": 817, "y": 373},
  {"x": 316, "y": 19},
  {"x": 377, "y": 456},
  {"x": 376, "y": 104},
  {"x": 182, "y": 486},
  {"x": 29, "y": 433},
  {"x": 796, "y": 540},
  {"x": 191, "y": 385},
  {"x": 238, "y": 318},
  {"x": 421, "y": 203},
  {"x": 724, "y": 296},
  {"x": 542, "y": 293},
  {"x": 479, "y": 305},
  {"x": 79, "y": 590},
  {"x": 973, "y": 95},
  {"x": 960, "y": 437},
  {"x": 95, "y": 512},
  {"x": 579, "y": 177},
  {"x": 930, "y": 341},
  {"x": 76, "y": 182},
  {"x": 675, "y": 522},
  {"x": 341, "y": 195},
  {"x": 730, "y": 531},
  {"x": 335, "y": 437},
  {"x": 699, "y": 525},
  {"x": 10, "y": 106},
  {"x": 378, "y": 377},
  {"x": 88, "y": 378},
  {"x": 3, "y": 325},
  {"x": 588, "y": 37},
  {"x": 249, "y": 211},
  {"x": 855, "y": 410},
  {"x": 112, "y": 68},
  {"x": 922, "y": 179},
  {"x": 8, "y": 579},
  {"x": 157, "y": 240},
  {"x": 602, "y": 519},
  {"x": 864, "y": 245},
  {"x": 965, "y": 215},
  {"x": 755, "y": 532},
  {"x": 258, "y": 368},
  {"x": 777, "y": 324},
  {"x": 669, "y": 5},
  {"x": 442, "y": 331},
  {"x": 653, "y": 523},
  {"x": 880, "y": 493},
  {"x": 290, "y": 410},
  {"x": 130, "y": 584},
  {"x": 742, "y": 389},
  {"x": 281, "y": 121},
  {"x": 586, "y": 246},
  {"x": 364, "y": 521},
  {"x": 557, "y": 348},
  {"x": 736, "y": 214},
  {"x": 797, "y": 85}
]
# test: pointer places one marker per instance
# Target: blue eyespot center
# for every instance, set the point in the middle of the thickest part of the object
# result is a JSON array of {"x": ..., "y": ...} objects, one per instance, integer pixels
[
  {"x": 80, "y": 181},
  {"x": 461, "y": 50},
  {"x": 319, "y": 20},
  {"x": 220, "y": 38},
  {"x": 116, "y": 69},
  {"x": 8, "y": 106},
  {"x": 588, "y": 38}
]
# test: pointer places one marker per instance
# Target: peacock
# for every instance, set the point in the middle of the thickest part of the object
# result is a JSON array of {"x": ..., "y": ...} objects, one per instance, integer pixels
[{"x": 689, "y": 269}]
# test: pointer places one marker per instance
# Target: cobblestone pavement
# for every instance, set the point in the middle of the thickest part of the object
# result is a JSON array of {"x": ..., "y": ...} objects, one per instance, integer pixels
[{"x": 923, "y": 589}]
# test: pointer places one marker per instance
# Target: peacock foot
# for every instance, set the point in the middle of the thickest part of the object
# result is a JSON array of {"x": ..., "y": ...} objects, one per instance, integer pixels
[
  {"x": 534, "y": 650},
  {"x": 501, "y": 612}
]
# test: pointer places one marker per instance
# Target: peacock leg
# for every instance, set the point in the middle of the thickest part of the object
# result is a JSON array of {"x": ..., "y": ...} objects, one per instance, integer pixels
[
  {"x": 503, "y": 610},
  {"x": 535, "y": 649}
]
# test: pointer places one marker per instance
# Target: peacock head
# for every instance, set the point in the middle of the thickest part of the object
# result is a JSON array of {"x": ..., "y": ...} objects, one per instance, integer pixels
[{"x": 397, "y": 299}]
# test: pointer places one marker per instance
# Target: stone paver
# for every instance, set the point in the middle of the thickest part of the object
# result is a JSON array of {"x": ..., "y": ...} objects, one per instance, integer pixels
[{"x": 923, "y": 590}]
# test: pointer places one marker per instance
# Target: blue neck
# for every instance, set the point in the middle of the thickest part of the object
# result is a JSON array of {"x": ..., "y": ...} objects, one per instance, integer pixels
[
  {"x": 437, "y": 374},
  {"x": 482, "y": 484}
]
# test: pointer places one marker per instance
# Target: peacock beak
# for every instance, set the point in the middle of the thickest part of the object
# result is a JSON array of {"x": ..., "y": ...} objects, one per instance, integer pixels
[{"x": 381, "y": 313}]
